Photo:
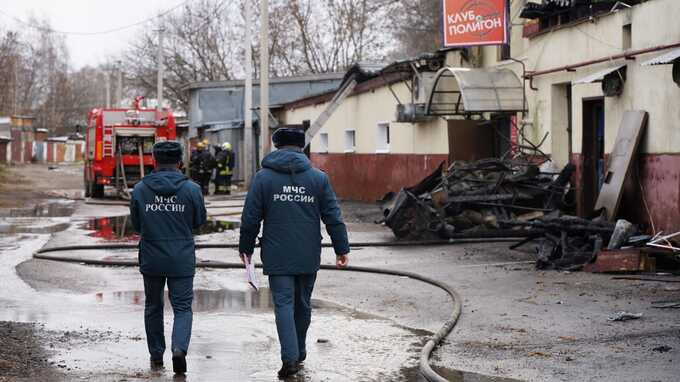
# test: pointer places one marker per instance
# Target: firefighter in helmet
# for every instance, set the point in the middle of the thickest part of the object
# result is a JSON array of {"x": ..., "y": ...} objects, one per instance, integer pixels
[
  {"x": 225, "y": 168},
  {"x": 194, "y": 165},
  {"x": 202, "y": 164}
]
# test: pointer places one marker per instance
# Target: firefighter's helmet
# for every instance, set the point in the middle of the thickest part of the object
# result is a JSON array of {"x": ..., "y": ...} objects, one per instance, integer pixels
[
  {"x": 226, "y": 146},
  {"x": 200, "y": 145},
  {"x": 206, "y": 143}
]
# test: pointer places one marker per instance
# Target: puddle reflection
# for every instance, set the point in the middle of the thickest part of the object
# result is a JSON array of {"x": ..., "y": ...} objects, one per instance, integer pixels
[
  {"x": 205, "y": 300},
  {"x": 45, "y": 210},
  {"x": 119, "y": 228}
]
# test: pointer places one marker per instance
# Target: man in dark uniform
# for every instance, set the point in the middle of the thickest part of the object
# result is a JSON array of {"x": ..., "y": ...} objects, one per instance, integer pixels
[
  {"x": 225, "y": 159},
  {"x": 292, "y": 198},
  {"x": 195, "y": 163},
  {"x": 165, "y": 208},
  {"x": 202, "y": 164},
  {"x": 206, "y": 166}
]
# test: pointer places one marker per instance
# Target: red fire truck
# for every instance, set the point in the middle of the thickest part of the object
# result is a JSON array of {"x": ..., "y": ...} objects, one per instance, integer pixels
[{"x": 119, "y": 145}]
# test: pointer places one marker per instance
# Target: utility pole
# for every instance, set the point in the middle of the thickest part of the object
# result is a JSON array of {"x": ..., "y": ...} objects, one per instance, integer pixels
[
  {"x": 264, "y": 78},
  {"x": 119, "y": 85},
  {"x": 248, "y": 149},
  {"x": 16, "y": 84},
  {"x": 159, "y": 84},
  {"x": 107, "y": 83}
]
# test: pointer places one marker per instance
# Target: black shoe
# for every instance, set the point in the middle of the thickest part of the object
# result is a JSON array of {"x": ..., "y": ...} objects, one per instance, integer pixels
[
  {"x": 156, "y": 363},
  {"x": 288, "y": 369},
  {"x": 301, "y": 360},
  {"x": 179, "y": 362}
]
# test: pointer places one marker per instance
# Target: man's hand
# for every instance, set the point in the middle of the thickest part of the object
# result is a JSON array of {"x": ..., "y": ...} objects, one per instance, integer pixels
[
  {"x": 341, "y": 261},
  {"x": 243, "y": 257}
]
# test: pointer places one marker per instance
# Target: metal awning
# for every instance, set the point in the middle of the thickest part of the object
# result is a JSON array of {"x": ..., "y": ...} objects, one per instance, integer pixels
[
  {"x": 666, "y": 58},
  {"x": 464, "y": 91},
  {"x": 599, "y": 75}
]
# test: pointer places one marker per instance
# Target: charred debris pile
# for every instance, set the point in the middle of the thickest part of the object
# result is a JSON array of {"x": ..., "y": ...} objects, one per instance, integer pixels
[{"x": 504, "y": 198}]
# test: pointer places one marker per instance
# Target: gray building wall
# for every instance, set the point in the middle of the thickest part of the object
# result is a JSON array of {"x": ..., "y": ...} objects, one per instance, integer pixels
[{"x": 216, "y": 108}]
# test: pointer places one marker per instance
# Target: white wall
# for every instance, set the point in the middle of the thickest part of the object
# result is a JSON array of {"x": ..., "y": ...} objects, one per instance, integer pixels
[
  {"x": 654, "y": 23},
  {"x": 362, "y": 113}
]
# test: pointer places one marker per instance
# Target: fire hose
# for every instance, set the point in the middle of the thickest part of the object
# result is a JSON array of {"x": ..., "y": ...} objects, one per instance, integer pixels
[{"x": 424, "y": 364}]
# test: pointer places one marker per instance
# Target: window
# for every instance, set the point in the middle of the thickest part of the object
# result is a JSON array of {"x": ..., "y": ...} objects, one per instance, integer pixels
[
  {"x": 627, "y": 37},
  {"x": 383, "y": 139},
  {"x": 323, "y": 142},
  {"x": 350, "y": 141}
]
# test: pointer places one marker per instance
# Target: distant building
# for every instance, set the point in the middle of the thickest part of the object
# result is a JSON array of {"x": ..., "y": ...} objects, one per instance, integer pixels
[{"x": 216, "y": 107}]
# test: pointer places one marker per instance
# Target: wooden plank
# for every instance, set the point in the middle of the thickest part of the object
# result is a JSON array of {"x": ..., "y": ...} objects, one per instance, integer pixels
[
  {"x": 620, "y": 161},
  {"x": 321, "y": 120}
]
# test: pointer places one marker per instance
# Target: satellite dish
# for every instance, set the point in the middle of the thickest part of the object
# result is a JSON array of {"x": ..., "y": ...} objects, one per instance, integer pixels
[
  {"x": 612, "y": 83},
  {"x": 676, "y": 71}
]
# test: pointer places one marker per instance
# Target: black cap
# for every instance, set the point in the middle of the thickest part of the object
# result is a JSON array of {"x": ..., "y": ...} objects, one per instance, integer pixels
[
  {"x": 167, "y": 152},
  {"x": 289, "y": 136}
]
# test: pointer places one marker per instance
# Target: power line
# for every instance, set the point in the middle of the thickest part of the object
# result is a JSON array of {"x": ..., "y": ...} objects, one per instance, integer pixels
[{"x": 108, "y": 31}]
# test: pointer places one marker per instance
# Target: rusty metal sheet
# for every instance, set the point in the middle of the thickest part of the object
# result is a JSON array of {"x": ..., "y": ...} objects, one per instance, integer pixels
[
  {"x": 621, "y": 261},
  {"x": 620, "y": 161}
]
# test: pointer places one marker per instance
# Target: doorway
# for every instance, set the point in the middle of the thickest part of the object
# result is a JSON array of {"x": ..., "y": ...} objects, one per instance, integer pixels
[{"x": 593, "y": 154}]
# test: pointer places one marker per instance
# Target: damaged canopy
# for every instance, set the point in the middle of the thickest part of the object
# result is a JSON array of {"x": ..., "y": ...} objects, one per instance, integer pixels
[
  {"x": 664, "y": 59},
  {"x": 599, "y": 75},
  {"x": 462, "y": 91}
]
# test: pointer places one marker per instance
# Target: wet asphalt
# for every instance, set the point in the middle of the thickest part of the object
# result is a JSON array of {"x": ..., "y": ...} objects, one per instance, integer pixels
[
  {"x": 517, "y": 323},
  {"x": 98, "y": 312}
]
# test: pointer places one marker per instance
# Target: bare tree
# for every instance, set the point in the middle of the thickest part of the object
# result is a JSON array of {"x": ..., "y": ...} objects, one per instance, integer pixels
[
  {"x": 416, "y": 25},
  {"x": 201, "y": 43},
  {"x": 328, "y": 35}
]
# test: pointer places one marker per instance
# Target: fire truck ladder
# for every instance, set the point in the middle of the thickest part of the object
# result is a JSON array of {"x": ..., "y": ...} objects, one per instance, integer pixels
[
  {"x": 107, "y": 141},
  {"x": 121, "y": 188}
]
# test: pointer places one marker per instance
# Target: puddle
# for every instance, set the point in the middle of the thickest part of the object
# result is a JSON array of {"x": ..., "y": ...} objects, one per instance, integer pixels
[
  {"x": 413, "y": 374},
  {"x": 45, "y": 210},
  {"x": 119, "y": 228},
  {"x": 205, "y": 300}
]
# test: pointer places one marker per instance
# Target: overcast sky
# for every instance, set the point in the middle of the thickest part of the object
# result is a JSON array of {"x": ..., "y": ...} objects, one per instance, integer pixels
[{"x": 88, "y": 16}]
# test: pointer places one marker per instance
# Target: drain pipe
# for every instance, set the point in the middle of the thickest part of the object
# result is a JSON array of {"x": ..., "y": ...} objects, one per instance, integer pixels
[{"x": 425, "y": 353}]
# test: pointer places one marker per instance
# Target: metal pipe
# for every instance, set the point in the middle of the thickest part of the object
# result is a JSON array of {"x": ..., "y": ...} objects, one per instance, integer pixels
[
  {"x": 248, "y": 153},
  {"x": 626, "y": 55}
]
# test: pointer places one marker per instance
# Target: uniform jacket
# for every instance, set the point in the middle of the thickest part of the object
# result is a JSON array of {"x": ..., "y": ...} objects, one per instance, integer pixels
[
  {"x": 165, "y": 208},
  {"x": 225, "y": 162},
  {"x": 292, "y": 198}
]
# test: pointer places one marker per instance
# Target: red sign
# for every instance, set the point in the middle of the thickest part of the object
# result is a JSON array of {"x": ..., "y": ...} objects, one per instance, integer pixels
[{"x": 475, "y": 22}]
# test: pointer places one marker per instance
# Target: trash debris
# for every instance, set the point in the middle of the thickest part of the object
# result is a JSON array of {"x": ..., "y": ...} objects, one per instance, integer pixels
[
  {"x": 662, "y": 349},
  {"x": 666, "y": 304},
  {"x": 565, "y": 242},
  {"x": 624, "y": 316},
  {"x": 621, "y": 261},
  {"x": 659, "y": 241},
  {"x": 469, "y": 198},
  {"x": 622, "y": 232}
]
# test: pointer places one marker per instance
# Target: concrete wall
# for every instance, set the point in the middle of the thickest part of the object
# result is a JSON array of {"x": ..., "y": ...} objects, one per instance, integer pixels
[
  {"x": 647, "y": 88},
  {"x": 370, "y": 171},
  {"x": 362, "y": 113}
]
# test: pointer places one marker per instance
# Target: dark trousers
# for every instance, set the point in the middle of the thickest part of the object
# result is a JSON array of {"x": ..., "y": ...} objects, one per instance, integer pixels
[
  {"x": 293, "y": 310},
  {"x": 223, "y": 184},
  {"x": 205, "y": 183},
  {"x": 181, "y": 293}
]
